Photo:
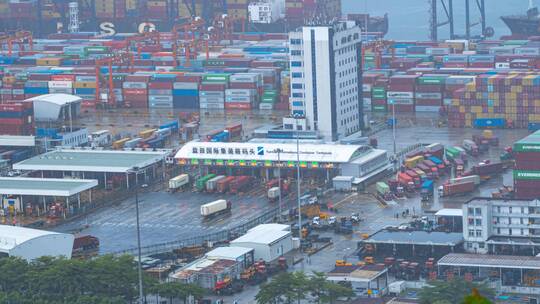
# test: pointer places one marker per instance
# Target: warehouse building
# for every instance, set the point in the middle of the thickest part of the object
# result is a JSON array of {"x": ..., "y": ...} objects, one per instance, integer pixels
[
  {"x": 56, "y": 107},
  {"x": 110, "y": 168},
  {"x": 504, "y": 273},
  {"x": 30, "y": 244},
  {"x": 496, "y": 226},
  {"x": 263, "y": 158},
  {"x": 22, "y": 194},
  {"x": 269, "y": 241}
]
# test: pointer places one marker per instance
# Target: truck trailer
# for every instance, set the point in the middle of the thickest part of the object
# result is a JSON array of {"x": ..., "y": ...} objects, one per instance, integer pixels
[{"x": 215, "y": 208}]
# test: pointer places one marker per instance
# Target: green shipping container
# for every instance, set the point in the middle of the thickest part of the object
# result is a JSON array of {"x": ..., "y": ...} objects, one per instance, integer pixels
[
  {"x": 216, "y": 77},
  {"x": 530, "y": 143},
  {"x": 378, "y": 108},
  {"x": 96, "y": 49},
  {"x": 452, "y": 152},
  {"x": 200, "y": 184},
  {"x": 526, "y": 175},
  {"x": 382, "y": 188},
  {"x": 431, "y": 80}
]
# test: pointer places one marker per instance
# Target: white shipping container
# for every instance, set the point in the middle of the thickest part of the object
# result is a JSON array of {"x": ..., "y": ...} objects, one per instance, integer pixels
[
  {"x": 466, "y": 179},
  {"x": 186, "y": 85},
  {"x": 502, "y": 65},
  {"x": 273, "y": 193},
  {"x": 178, "y": 181},
  {"x": 240, "y": 92},
  {"x": 212, "y": 183},
  {"x": 432, "y": 109},
  {"x": 425, "y": 95},
  {"x": 160, "y": 98},
  {"x": 212, "y": 105},
  {"x": 134, "y": 85},
  {"x": 266, "y": 106},
  {"x": 60, "y": 91},
  {"x": 214, "y": 207},
  {"x": 394, "y": 94},
  {"x": 366, "y": 87},
  {"x": 60, "y": 84}
]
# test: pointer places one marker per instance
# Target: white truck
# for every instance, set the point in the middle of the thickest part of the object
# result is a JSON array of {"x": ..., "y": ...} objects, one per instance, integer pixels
[
  {"x": 101, "y": 138},
  {"x": 178, "y": 182},
  {"x": 215, "y": 208},
  {"x": 273, "y": 194}
]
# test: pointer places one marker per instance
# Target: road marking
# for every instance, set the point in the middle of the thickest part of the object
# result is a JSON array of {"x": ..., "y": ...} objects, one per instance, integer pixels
[{"x": 345, "y": 199}]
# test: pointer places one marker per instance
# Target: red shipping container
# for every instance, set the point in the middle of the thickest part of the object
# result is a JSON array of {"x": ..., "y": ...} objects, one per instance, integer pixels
[
  {"x": 63, "y": 77},
  {"x": 161, "y": 85},
  {"x": 136, "y": 92},
  {"x": 243, "y": 85},
  {"x": 238, "y": 105},
  {"x": 213, "y": 86},
  {"x": 138, "y": 78},
  {"x": 400, "y": 108},
  {"x": 184, "y": 78},
  {"x": 39, "y": 77}
]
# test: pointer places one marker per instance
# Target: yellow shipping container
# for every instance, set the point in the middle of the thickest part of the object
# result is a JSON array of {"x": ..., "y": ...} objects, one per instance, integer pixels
[
  {"x": 468, "y": 123},
  {"x": 461, "y": 109},
  {"x": 84, "y": 84},
  {"x": 147, "y": 133}
]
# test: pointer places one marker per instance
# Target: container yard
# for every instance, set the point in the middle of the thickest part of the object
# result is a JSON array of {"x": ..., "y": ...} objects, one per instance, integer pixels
[{"x": 227, "y": 144}]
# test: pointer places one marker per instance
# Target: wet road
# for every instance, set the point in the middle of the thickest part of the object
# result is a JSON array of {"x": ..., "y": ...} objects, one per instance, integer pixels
[{"x": 165, "y": 217}]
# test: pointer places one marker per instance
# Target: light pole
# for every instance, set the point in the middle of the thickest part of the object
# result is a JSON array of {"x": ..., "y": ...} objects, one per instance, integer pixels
[
  {"x": 139, "y": 266},
  {"x": 279, "y": 182},
  {"x": 298, "y": 180},
  {"x": 394, "y": 124}
]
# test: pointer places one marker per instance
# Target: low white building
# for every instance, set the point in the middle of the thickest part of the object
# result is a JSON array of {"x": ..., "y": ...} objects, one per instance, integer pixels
[
  {"x": 270, "y": 241},
  {"x": 31, "y": 244},
  {"x": 266, "y": 11},
  {"x": 56, "y": 107}
]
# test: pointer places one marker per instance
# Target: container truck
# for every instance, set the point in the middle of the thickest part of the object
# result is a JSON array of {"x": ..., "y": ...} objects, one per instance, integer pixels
[
  {"x": 427, "y": 190},
  {"x": 211, "y": 184},
  {"x": 223, "y": 184},
  {"x": 215, "y": 208},
  {"x": 453, "y": 189},
  {"x": 488, "y": 169},
  {"x": 178, "y": 182},
  {"x": 234, "y": 130},
  {"x": 435, "y": 149},
  {"x": 411, "y": 162},
  {"x": 273, "y": 194},
  {"x": 438, "y": 161},
  {"x": 384, "y": 191},
  {"x": 416, "y": 178},
  {"x": 240, "y": 183},
  {"x": 200, "y": 184},
  {"x": 466, "y": 179},
  {"x": 471, "y": 147}
]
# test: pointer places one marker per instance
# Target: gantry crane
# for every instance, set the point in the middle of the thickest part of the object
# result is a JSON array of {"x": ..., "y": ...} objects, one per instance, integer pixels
[
  {"x": 21, "y": 38},
  {"x": 120, "y": 58}
]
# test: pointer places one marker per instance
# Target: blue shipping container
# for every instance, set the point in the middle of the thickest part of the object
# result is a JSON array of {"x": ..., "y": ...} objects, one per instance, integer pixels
[
  {"x": 489, "y": 123},
  {"x": 180, "y": 92},
  {"x": 534, "y": 126},
  {"x": 174, "y": 126}
]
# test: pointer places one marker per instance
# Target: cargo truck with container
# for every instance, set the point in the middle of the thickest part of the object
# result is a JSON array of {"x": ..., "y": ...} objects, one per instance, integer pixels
[
  {"x": 455, "y": 189},
  {"x": 215, "y": 208},
  {"x": 411, "y": 162},
  {"x": 178, "y": 182},
  {"x": 200, "y": 184},
  {"x": 438, "y": 161},
  {"x": 102, "y": 138},
  {"x": 415, "y": 178},
  {"x": 465, "y": 179},
  {"x": 211, "y": 184},
  {"x": 488, "y": 169},
  {"x": 383, "y": 190},
  {"x": 471, "y": 147},
  {"x": 223, "y": 184},
  {"x": 426, "y": 191},
  {"x": 406, "y": 181},
  {"x": 273, "y": 194},
  {"x": 435, "y": 149},
  {"x": 240, "y": 184}
]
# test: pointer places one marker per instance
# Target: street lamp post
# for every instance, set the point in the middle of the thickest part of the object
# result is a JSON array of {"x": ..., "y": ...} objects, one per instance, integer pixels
[
  {"x": 394, "y": 124},
  {"x": 139, "y": 266},
  {"x": 279, "y": 182},
  {"x": 298, "y": 180}
]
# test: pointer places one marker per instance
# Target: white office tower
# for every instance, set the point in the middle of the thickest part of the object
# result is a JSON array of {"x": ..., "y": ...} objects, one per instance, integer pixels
[{"x": 326, "y": 79}]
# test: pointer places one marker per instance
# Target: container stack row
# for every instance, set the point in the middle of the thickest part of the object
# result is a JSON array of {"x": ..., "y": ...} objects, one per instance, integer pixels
[
  {"x": 527, "y": 167},
  {"x": 17, "y": 119}
]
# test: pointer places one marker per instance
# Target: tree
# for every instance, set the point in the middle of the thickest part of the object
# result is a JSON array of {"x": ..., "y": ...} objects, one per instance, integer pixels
[
  {"x": 476, "y": 298},
  {"x": 324, "y": 291},
  {"x": 276, "y": 291},
  {"x": 453, "y": 291}
]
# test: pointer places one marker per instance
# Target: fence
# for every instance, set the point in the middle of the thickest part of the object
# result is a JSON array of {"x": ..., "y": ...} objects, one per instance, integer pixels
[{"x": 219, "y": 236}]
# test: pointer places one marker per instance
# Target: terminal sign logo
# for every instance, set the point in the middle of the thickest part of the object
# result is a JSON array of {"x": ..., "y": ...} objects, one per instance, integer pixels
[{"x": 260, "y": 151}]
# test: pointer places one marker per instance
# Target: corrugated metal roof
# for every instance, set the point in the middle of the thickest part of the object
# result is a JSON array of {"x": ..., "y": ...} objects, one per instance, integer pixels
[
  {"x": 44, "y": 186},
  {"x": 232, "y": 253},
  {"x": 91, "y": 160},
  {"x": 496, "y": 261}
]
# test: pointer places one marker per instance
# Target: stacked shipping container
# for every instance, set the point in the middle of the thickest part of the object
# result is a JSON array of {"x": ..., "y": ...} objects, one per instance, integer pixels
[
  {"x": 527, "y": 167},
  {"x": 16, "y": 119}
]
